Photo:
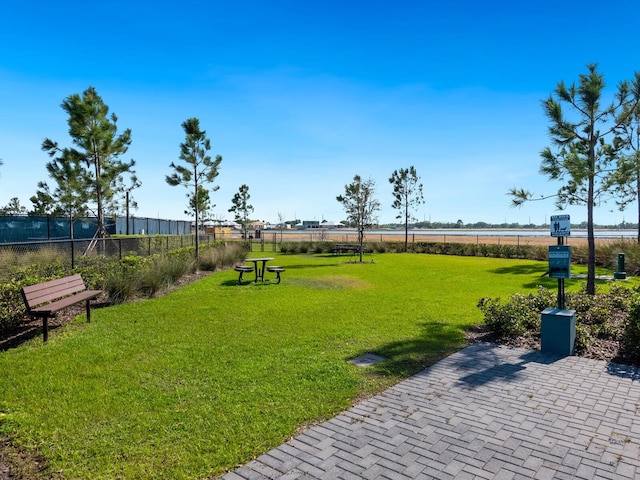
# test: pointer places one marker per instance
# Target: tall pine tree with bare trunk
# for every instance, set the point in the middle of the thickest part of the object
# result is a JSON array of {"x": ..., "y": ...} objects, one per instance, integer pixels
[
  {"x": 96, "y": 153},
  {"x": 199, "y": 170},
  {"x": 585, "y": 144},
  {"x": 626, "y": 177},
  {"x": 407, "y": 195}
]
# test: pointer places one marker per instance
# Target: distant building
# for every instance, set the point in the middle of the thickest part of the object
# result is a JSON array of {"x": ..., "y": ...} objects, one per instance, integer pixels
[
  {"x": 257, "y": 225},
  {"x": 332, "y": 224},
  {"x": 316, "y": 224}
]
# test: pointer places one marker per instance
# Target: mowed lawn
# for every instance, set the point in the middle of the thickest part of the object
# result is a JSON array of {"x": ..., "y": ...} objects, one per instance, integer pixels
[{"x": 211, "y": 375}]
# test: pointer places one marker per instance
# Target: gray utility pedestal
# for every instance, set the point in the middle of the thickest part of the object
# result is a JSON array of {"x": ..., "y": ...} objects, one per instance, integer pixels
[{"x": 558, "y": 331}]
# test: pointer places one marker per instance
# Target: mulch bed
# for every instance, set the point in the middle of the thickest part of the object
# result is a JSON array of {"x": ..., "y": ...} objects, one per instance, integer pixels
[{"x": 609, "y": 350}]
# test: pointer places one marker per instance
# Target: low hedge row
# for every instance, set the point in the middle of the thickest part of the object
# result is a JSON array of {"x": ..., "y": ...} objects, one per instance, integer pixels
[{"x": 606, "y": 253}]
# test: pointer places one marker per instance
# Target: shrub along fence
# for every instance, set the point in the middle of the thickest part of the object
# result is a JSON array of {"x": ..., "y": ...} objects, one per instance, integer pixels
[
  {"x": 122, "y": 279},
  {"x": 72, "y": 250},
  {"x": 606, "y": 252}
]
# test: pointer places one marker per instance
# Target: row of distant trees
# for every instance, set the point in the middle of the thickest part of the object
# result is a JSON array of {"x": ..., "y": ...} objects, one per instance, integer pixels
[
  {"x": 92, "y": 178},
  {"x": 361, "y": 204}
]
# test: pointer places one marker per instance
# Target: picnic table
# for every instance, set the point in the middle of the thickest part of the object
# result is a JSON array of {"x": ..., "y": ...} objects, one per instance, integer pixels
[{"x": 259, "y": 268}]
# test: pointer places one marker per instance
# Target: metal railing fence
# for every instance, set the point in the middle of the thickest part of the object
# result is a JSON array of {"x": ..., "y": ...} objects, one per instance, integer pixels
[{"x": 73, "y": 251}]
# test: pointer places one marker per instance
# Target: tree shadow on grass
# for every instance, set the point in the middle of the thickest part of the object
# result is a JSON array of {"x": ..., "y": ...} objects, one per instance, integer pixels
[
  {"x": 523, "y": 269},
  {"x": 307, "y": 265},
  {"x": 538, "y": 274},
  {"x": 480, "y": 362},
  {"x": 407, "y": 357}
]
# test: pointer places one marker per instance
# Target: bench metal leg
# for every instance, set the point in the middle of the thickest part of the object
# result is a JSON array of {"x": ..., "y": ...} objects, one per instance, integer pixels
[
  {"x": 45, "y": 329},
  {"x": 88, "y": 312}
]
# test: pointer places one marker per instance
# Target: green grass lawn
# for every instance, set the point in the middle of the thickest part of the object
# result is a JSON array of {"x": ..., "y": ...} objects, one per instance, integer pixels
[{"x": 209, "y": 376}]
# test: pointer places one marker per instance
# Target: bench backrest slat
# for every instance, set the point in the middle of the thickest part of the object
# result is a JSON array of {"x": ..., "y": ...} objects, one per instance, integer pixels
[{"x": 36, "y": 295}]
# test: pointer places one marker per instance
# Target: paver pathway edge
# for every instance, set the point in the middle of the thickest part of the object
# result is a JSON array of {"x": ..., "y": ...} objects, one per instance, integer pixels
[{"x": 487, "y": 411}]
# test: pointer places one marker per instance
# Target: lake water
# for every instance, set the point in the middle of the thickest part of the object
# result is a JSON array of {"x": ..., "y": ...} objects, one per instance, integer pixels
[{"x": 579, "y": 233}]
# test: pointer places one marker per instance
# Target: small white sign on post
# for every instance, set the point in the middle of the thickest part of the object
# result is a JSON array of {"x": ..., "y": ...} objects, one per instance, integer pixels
[{"x": 560, "y": 226}]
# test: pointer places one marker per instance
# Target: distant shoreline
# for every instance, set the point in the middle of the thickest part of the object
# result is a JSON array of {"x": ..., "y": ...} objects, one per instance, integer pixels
[{"x": 487, "y": 236}]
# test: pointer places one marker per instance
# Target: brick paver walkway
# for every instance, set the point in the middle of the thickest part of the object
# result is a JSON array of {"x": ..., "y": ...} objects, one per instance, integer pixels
[{"x": 485, "y": 412}]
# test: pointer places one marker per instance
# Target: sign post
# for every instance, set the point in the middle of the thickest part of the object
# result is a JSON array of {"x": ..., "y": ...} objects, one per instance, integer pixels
[
  {"x": 560, "y": 257},
  {"x": 557, "y": 326}
]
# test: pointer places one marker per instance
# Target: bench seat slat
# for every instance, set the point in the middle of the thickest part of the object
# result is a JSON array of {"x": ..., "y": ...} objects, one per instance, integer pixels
[
  {"x": 53, "y": 307},
  {"x": 36, "y": 295}
]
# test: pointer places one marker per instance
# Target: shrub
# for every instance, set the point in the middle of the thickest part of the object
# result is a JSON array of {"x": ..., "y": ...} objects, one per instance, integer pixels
[
  {"x": 211, "y": 259},
  {"x": 583, "y": 338},
  {"x": 520, "y": 314},
  {"x": 601, "y": 316},
  {"x": 378, "y": 247},
  {"x": 12, "y": 308},
  {"x": 632, "y": 329},
  {"x": 501, "y": 319},
  {"x": 121, "y": 281},
  {"x": 160, "y": 272},
  {"x": 12, "y": 262},
  {"x": 303, "y": 247}
]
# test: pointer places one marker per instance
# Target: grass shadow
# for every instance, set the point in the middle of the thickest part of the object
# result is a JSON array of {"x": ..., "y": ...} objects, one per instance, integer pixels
[
  {"x": 21, "y": 335},
  {"x": 407, "y": 357},
  {"x": 524, "y": 269},
  {"x": 308, "y": 265}
]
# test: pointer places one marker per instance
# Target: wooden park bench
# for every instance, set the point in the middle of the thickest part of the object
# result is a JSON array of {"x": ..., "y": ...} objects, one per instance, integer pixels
[
  {"x": 340, "y": 248},
  {"x": 45, "y": 300}
]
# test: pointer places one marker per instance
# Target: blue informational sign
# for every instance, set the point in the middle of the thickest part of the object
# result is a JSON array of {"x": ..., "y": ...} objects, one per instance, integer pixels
[
  {"x": 560, "y": 226},
  {"x": 559, "y": 261}
]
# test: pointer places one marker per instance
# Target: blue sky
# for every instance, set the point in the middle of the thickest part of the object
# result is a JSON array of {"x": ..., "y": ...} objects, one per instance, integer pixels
[{"x": 299, "y": 96}]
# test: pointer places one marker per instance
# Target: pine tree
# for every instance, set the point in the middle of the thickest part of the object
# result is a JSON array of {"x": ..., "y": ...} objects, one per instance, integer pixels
[
  {"x": 585, "y": 142},
  {"x": 241, "y": 208},
  {"x": 407, "y": 195},
  {"x": 199, "y": 169},
  {"x": 95, "y": 157}
]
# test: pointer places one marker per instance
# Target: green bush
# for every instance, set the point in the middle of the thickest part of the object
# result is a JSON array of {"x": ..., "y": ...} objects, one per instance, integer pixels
[
  {"x": 501, "y": 319},
  {"x": 602, "y": 316},
  {"x": 520, "y": 314},
  {"x": 12, "y": 308},
  {"x": 156, "y": 275},
  {"x": 583, "y": 338},
  {"x": 222, "y": 255},
  {"x": 632, "y": 329},
  {"x": 121, "y": 280}
]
